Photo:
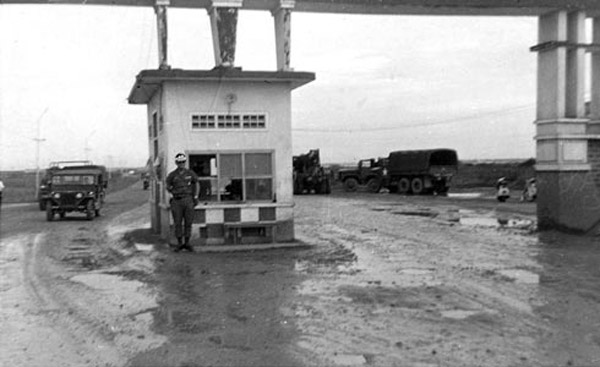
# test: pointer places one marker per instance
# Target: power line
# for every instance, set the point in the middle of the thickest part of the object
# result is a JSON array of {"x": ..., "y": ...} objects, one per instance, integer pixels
[{"x": 418, "y": 124}]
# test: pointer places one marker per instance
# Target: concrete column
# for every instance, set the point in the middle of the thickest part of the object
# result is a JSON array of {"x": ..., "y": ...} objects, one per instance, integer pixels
[
  {"x": 223, "y": 21},
  {"x": 595, "y": 100},
  {"x": 161, "y": 25},
  {"x": 551, "y": 66},
  {"x": 569, "y": 190},
  {"x": 575, "y": 81},
  {"x": 282, "y": 16}
]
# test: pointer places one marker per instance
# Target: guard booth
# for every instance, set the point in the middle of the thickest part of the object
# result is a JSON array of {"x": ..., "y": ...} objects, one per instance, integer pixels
[{"x": 235, "y": 128}]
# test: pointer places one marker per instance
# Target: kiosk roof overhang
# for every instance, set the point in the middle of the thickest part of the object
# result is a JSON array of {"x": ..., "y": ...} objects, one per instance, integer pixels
[
  {"x": 149, "y": 82},
  {"x": 415, "y": 7}
]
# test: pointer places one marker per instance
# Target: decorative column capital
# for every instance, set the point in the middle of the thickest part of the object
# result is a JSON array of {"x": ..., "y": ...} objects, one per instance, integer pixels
[
  {"x": 225, "y": 4},
  {"x": 283, "y": 4},
  {"x": 223, "y": 19}
]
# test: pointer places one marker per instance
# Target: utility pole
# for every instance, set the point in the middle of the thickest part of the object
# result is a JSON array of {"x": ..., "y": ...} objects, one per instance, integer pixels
[
  {"x": 38, "y": 140},
  {"x": 87, "y": 148}
]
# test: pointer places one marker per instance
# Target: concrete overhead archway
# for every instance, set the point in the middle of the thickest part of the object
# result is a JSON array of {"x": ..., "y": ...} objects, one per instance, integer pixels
[{"x": 567, "y": 137}]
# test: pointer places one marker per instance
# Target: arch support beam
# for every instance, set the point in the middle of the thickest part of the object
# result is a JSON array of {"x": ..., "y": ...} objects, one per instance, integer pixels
[
  {"x": 567, "y": 143},
  {"x": 282, "y": 16},
  {"x": 223, "y": 20},
  {"x": 160, "y": 9}
]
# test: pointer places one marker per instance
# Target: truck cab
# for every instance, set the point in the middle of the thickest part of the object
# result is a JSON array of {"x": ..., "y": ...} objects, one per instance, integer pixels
[{"x": 371, "y": 172}]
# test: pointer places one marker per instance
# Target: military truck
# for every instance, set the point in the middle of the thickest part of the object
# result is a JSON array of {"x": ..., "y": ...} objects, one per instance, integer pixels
[
  {"x": 79, "y": 188},
  {"x": 46, "y": 181},
  {"x": 405, "y": 172},
  {"x": 309, "y": 175}
]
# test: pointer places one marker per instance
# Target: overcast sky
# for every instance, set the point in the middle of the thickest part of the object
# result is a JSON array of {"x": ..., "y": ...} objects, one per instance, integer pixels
[{"x": 382, "y": 83}]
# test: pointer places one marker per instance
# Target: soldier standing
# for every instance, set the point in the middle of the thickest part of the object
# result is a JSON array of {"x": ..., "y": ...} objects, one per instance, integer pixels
[{"x": 182, "y": 183}]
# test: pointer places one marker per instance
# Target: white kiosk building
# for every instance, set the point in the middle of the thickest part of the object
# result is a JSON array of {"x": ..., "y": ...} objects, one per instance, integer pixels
[{"x": 235, "y": 128}]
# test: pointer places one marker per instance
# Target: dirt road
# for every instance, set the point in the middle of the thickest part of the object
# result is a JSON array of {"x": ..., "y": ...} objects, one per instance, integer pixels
[{"x": 381, "y": 280}]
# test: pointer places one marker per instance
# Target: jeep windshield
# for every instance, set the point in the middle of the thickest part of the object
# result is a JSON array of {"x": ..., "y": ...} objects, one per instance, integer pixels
[{"x": 73, "y": 180}]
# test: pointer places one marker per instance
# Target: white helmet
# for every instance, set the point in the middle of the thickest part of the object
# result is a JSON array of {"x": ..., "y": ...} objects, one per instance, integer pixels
[{"x": 180, "y": 158}]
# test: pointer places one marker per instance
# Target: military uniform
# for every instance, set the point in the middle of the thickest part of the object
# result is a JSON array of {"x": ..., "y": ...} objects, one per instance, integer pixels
[{"x": 182, "y": 183}]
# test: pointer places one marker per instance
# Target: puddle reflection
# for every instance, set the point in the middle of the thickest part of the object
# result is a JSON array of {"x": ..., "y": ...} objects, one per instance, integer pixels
[
  {"x": 516, "y": 223},
  {"x": 569, "y": 282},
  {"x": 209, "y": 303}
]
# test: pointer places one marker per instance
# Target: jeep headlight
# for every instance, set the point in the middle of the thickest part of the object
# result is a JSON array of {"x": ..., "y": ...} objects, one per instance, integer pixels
[
  {"x": 91, "y": 193},
  {"x": 56, "y": 195},
  {"x": 79, "y": 195}
]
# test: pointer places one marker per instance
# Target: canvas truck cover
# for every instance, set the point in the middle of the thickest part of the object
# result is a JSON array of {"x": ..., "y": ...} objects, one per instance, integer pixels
[{"x": 415, "y": 161}]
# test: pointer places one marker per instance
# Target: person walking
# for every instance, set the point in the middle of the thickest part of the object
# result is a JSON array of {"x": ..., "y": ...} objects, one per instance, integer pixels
[{"x": 182, "y": 184}]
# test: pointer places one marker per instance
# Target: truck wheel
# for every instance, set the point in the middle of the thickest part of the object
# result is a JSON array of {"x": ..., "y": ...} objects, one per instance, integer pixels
[
  {"x": 350, "y": 184},
  {"x": 373, "y": 185},
  {"x": 298, "y": 189},
  {"x": 89, "y": 210},
  {"x": 322, "y": 187},
  {"x": 49, "y": 213},
  {"x": 416, "y": 185},
  {"x": 318, "y": 188},
  {"x": 403, "y": 186},
  {"x": 42, "y": 205}
]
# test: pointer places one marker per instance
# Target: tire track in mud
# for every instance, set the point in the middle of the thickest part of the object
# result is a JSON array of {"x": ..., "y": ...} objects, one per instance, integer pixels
[
  {"x": 46, "y": 283},
  {"x": 74, "y": 325},
  {"x": 108, "y": 313},
  {"x": 30, "y": 331}
]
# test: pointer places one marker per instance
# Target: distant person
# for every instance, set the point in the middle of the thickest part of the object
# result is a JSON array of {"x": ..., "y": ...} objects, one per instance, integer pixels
[
  {"x": 1, "y": 190},
  {"x": 182, "y": 184}
]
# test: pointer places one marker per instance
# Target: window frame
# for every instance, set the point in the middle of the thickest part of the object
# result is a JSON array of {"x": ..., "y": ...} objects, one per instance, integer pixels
[
  {"x": 244, "y": 175},
  {"x": 238, "y": 121}
]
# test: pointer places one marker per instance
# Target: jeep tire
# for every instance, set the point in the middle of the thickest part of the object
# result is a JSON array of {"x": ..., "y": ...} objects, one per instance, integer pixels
[
  {"x": 89, "y": 210},
  {"x": 49, "y": 213}
]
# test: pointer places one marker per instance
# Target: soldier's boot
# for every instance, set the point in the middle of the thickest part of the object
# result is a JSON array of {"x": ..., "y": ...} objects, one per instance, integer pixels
[
  {"x": 179, "y": 246},
  {"x": 187, "y": 245}
]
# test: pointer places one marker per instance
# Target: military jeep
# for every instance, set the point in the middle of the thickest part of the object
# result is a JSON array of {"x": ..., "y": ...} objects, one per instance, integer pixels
[{"x": 77, "y": 189}]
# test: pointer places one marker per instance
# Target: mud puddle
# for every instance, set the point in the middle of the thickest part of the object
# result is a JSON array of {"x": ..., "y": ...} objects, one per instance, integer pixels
[
  {"x": 491, "y": 219},
  {"x": 468, "y": 218},
  {"x": 520, "y": 276}
]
